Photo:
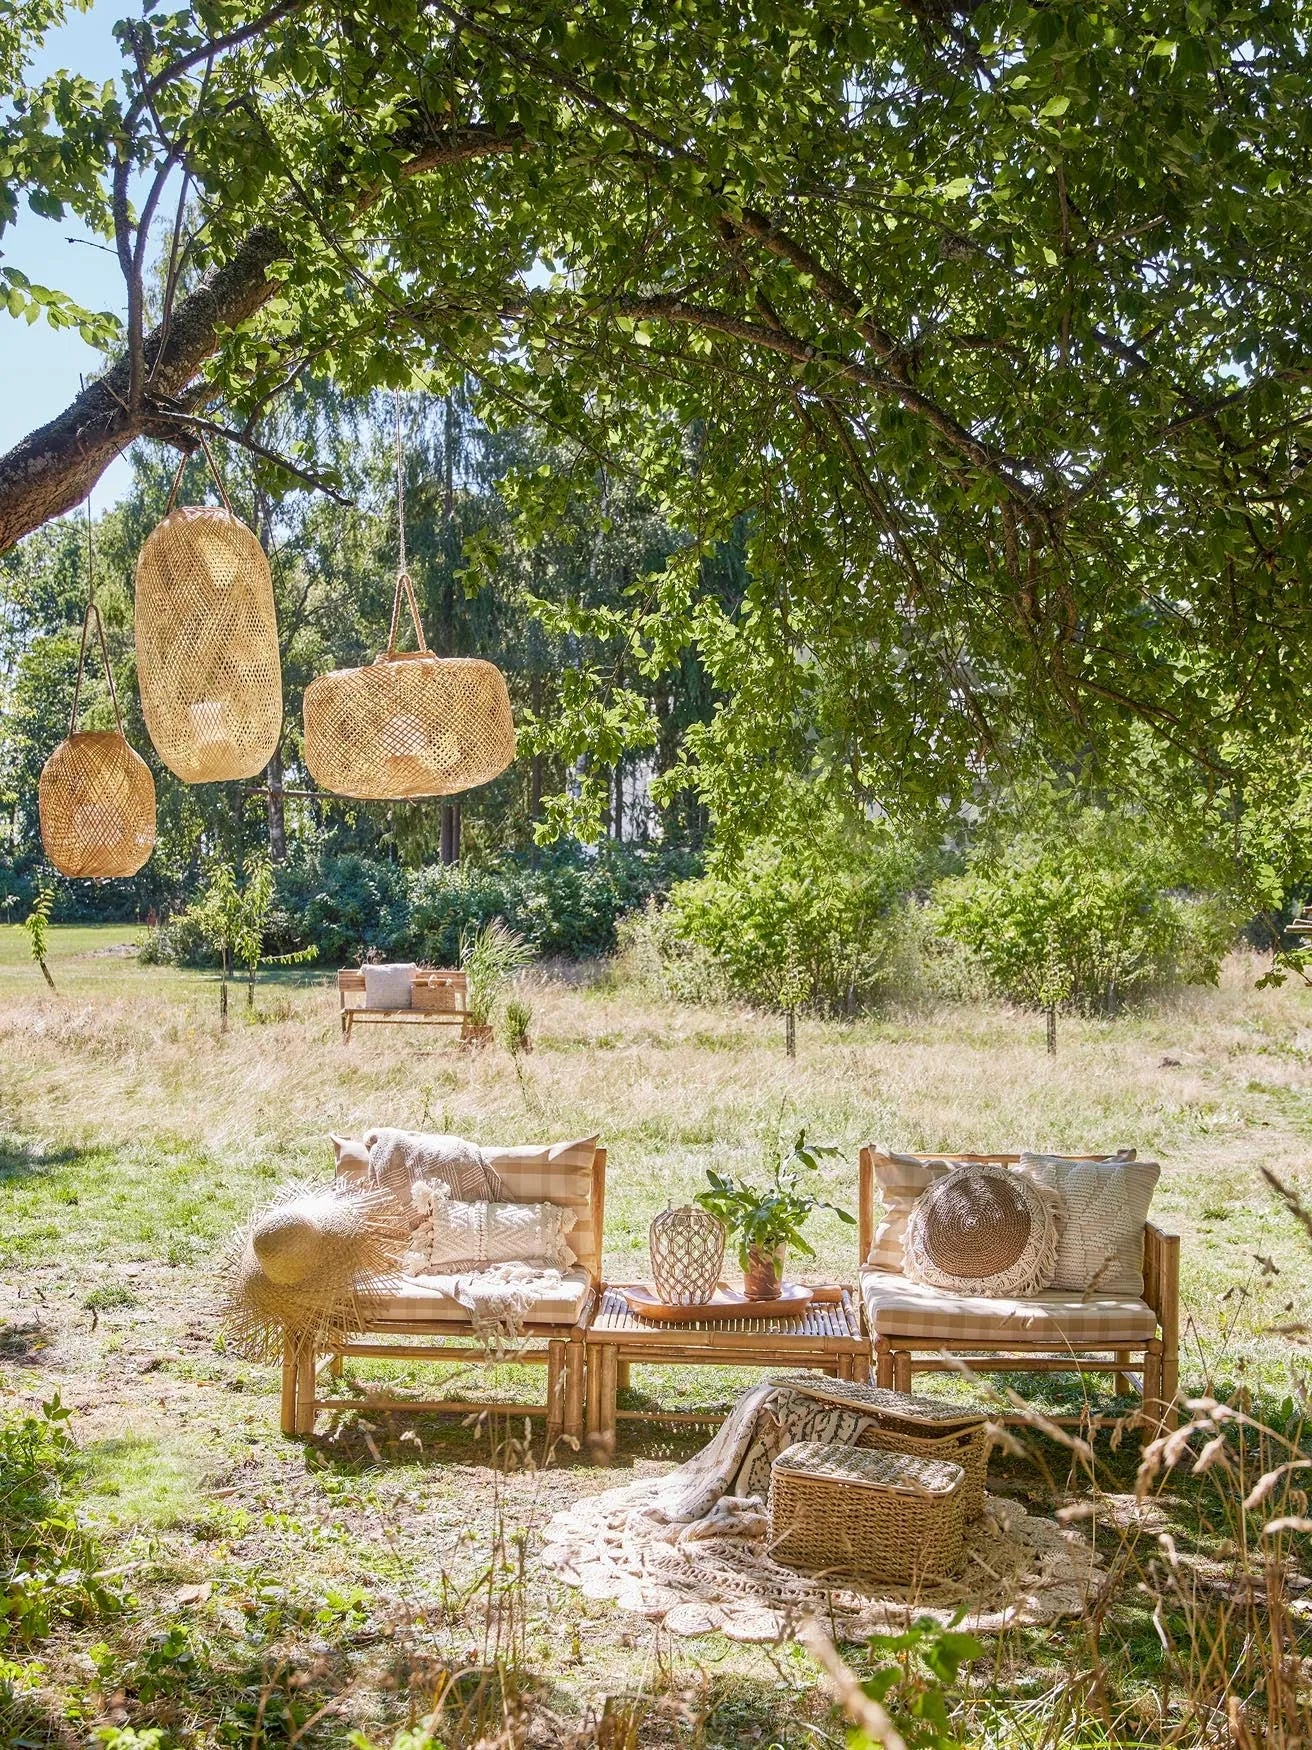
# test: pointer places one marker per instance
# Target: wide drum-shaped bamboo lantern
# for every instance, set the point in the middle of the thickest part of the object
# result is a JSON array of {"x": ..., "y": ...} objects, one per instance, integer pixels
[
  {"x": 411, "y": 724},
  {"x": 97, "y": 805},
  {"x": 207, "y": 646}
]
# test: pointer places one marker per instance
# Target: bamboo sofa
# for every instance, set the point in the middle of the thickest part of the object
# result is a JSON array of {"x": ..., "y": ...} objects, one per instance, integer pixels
[
  {"x": 435, "y": 995},
  {"x": 416, "y": 1323},
  {"x": 914, "y": 1328}
]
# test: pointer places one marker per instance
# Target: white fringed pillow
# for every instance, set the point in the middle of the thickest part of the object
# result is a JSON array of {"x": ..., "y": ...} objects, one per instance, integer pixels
[
  {"x": 1105, "y": 1205},
  {"x": 983, "y": 1230},
  {"x": 453, "y": 1236}
]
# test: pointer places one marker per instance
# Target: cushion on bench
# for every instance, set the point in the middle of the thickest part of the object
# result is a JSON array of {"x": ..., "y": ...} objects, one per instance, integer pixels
[
  {"x": 416, "y": 1299},
  {"x": 896, "y": 1307}
]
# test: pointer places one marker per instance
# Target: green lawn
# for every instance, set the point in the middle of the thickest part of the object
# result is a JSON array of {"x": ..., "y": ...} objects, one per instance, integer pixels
[{"x": 133, "y": 1138}]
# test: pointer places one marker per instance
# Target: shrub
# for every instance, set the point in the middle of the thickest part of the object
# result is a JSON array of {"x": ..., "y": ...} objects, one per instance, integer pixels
[
  {"x": 808, "y": 917},
  {"x": 1082, "y": 918}
]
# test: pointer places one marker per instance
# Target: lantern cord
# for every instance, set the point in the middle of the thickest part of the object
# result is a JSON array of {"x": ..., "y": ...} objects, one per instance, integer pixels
[
  {"x": 400, "y": 486},
  {"x": 86, "y": 629},
  {"x": 218, "y": 478}
]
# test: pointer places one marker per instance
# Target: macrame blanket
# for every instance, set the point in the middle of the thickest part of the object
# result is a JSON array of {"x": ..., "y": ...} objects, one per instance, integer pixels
[
  {"x": 499, "y": 1298},
  {"x": 691, "y": 1548}
]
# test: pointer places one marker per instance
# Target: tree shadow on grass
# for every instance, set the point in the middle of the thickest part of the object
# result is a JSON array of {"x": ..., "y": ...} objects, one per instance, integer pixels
[{"x": 23, "y": 1160}]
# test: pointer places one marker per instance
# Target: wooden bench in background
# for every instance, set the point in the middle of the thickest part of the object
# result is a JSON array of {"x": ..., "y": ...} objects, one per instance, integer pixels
[{"x": 435, "y": 995}]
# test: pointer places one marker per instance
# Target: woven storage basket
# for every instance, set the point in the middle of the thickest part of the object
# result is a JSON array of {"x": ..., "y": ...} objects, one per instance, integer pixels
[
  {"x": 883, "y": 1516},
  {"x": 410, "y": 724},
  {"x": 96, "y": 797},
  {"x": 927, "y": 1427},
  {"x": 207, "y": 644},
  {"x": 436, "y": 995}
]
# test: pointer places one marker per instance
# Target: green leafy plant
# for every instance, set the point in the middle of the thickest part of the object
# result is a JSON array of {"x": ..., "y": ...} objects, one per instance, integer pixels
[
  {"x": 914, "y": 1675},
  {"x": 516, "y": 1020},
  {"x": 490, "y": 958},
  {"x": 766, "y": 1219},
  {"x": 37, "y": 925}
]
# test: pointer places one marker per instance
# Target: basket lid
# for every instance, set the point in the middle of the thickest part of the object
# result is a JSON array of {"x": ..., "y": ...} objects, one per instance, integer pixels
[
  {"x": 868, "y": 1467},
  {"x": 917, "y": 1411}
]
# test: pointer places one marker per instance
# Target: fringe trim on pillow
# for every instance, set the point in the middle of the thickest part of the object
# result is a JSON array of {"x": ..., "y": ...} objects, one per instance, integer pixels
[{"x": 1032, "y": 1272}]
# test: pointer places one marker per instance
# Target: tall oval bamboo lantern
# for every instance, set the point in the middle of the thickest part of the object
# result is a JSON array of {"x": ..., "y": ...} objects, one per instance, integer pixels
[
  {"x": 411, "y": 724},
  {"x": 96, "y": 797},
  {"x": 207, "y": 643}
]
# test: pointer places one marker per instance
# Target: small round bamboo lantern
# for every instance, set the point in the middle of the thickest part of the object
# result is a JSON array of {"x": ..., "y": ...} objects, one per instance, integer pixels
[
  {"x": 96, "y": 797},
  {"x": 411, "y": 724},
  {"x": 207, "y": 644},
  {"x": 687, "y": 1251}
]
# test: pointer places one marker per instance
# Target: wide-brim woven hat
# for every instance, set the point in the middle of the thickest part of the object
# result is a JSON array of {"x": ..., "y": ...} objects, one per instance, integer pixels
[
  {"x": 983, "y": 1230},
  {"x": 302, "y": 1264}
]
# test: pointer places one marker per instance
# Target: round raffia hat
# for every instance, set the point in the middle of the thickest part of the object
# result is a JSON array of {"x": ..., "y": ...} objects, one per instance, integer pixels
[
  {"x": 301, "y": 1265},
  {"x": 983, "y": 1230}
]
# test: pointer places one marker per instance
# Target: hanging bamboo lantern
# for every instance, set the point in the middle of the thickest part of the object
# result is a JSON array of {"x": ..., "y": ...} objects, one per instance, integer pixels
[
  {"x": 207, "y": 643},
  {"x": 96, "y": 796},
  {"x": 410, "y": 724}
]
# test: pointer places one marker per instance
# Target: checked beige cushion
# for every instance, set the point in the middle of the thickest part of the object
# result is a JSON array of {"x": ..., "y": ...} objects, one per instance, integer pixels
[
  {"x": 554, "y": 1172},
  {"x": 896, "y": 1307},
  {"x": 901, "y": 1180}
]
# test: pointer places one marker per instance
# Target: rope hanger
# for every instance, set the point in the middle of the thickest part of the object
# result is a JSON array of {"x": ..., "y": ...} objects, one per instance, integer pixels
[
  {"x": 403, "y": 583},
  {"x": 91, "y": 609}
]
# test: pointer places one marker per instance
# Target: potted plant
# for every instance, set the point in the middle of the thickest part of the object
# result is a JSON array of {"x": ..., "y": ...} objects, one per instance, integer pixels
[{"x": 767, "y": 1222}]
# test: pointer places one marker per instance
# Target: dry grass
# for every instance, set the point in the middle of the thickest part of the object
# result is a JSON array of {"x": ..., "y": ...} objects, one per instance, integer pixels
[{"x": 132, "y": 1137}]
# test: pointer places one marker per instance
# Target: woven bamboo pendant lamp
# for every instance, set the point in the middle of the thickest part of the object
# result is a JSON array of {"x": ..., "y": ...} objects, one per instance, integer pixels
[
  {"x": 207, "y": 643},
  {"x": 411, "y": 724},
  {"x": 96, "y": 797}
]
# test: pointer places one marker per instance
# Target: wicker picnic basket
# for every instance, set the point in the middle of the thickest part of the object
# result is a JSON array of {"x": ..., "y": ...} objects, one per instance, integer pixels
[
  {"x": 207, "y": 643},
  {"x": 411, "y": 724},
  {"x": 96, "y": 797},
  {"x": 437, "y": 993},
  {"x": 924, "y": 1426},
  {"x": 883, "y": 1516}
]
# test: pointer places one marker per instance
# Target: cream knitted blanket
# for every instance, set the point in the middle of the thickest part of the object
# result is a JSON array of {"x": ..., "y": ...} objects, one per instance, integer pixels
[
  {"x": 498, "y": 1298},
  {"x": 399, "y": 1158},
  {"x": 691, "y": 1548}
]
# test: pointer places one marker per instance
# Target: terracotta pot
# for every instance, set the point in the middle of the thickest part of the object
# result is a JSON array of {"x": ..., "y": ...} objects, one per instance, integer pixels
[
  {"x": 763, "y": 1278},
  {"x": 472, "y": 1035}
]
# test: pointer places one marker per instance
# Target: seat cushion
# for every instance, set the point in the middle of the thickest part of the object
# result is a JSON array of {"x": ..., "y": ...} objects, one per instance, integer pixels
[
  {"x": 418, "y": 1299},
  {"x": 896, "y": 1307}
]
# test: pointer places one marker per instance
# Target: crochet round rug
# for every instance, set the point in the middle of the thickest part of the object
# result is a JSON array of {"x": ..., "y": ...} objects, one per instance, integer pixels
[{"x": 691, "y": 1549}]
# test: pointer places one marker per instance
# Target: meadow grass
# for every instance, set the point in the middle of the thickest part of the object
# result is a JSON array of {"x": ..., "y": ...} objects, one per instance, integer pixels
[{"x": 133, "y": 1137}]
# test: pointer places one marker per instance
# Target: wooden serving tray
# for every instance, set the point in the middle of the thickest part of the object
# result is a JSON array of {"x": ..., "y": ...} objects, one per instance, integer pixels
[{"x": 726, "y": 1303}]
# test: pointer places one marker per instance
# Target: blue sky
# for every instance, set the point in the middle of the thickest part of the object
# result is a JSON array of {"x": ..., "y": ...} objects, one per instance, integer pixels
[{"x": 41, "y": 367}]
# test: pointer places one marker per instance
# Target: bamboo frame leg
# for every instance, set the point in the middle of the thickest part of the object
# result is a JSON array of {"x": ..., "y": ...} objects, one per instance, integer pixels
[
  {"x": 622, "y": 1370},
  {"x": 603, "y": 1367},
  {"x": 861, "y": 1369},
  {"x": 288, "y": 1408},
  {"x": 902, "y": 1370},
  {"x": 883, "y": 1364},
  {"x": 305, "y": 1371},
  {"x": 1170, "y": 1385},
  {"x": 1150, "y": 1417},
  {"x": 555, "y": 1388},
  {"x": 337, "y": 1366},
  {"x": 575, "y": 1365},
  {"x": 1122, "y": 1384}
]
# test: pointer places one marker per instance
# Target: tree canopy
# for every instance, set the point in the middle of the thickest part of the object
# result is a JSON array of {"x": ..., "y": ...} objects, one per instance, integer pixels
[{"x": 986, "y": 323}]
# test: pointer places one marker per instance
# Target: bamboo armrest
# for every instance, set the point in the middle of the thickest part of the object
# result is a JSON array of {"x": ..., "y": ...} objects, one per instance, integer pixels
[{"x": 1161, "y": 1278}]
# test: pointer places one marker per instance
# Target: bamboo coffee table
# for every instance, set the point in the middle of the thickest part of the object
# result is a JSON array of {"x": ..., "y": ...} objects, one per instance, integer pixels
[{"x": 825, "y": 1338}]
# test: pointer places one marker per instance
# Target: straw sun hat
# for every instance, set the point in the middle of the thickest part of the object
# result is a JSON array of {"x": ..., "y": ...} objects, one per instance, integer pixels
[{"x": 302, "y": 1263}]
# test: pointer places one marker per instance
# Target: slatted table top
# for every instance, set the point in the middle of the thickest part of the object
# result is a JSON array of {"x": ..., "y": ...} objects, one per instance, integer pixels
[{"x": 830, "y": 1318}]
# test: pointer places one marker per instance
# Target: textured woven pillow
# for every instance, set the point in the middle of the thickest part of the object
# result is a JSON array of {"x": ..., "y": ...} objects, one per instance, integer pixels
[
  {"x": 983, "y": 1230},
  {"x": 1104, "y": 1208},
  {"x": 388, "y": 987},
  {"x": 398, "y": 1159},
  {"x": 455, "y": 1236},
  {"x": 901, "y": 1180}
]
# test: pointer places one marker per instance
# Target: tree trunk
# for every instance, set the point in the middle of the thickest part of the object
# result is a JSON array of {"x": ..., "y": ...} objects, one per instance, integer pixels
[
  {"x": 451, "y": 833},
  {"x": 1052, "y": 1031},
  {"x": 790, "y": 1031},
  {"x": 277, "y": 808},
  {"x": 52, "y": 469},
  {"x": 223, "y": 991}
]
